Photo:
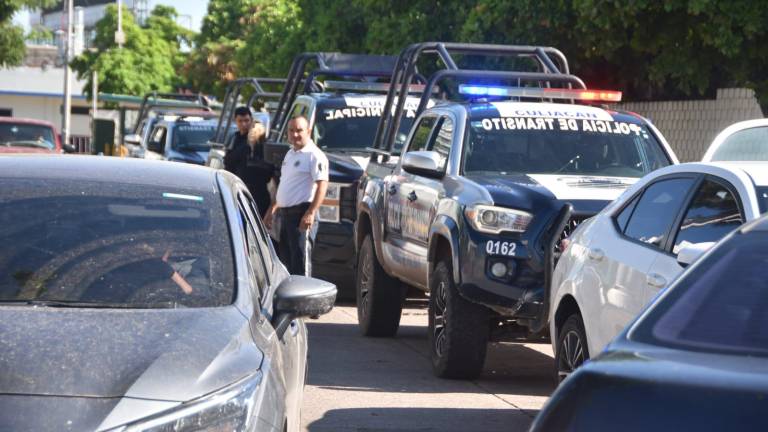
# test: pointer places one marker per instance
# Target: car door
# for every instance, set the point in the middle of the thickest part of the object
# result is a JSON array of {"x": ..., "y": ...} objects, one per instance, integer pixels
[
  {"x": 400, "y": 226},
  {"x": 715, "y": 210},
  {"x": 422, "y": 195},
  {"x": 620, "y": 258},
  {"x": 287, "y": 356}
]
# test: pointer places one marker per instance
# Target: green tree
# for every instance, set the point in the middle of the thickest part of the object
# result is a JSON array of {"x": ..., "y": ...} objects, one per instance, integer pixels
[
  {"x": 148, "y": 60},
  {"x": 12, "y": 48},
  {"x": 275, "y": 35}
]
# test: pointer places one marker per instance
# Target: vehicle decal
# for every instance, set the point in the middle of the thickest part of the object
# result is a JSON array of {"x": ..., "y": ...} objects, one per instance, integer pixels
[
  {"x": 182, "y": 196},
  {"x": 528, "y": 109},
  {"x": 583, "y": 187},
  {"x": 560, "y": 124},
  {"x": 497, "y": 247}
]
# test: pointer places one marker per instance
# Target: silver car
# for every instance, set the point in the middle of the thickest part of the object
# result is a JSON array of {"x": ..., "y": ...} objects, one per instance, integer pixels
[{"x": 144, "y": 296}]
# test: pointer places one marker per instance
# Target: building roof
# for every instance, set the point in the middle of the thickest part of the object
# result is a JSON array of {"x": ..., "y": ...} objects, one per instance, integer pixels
[{"x": 32, "y": 81}]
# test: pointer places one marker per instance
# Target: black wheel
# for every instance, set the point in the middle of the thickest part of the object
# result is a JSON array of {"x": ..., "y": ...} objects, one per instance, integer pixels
[
  {"x": 458, "y": 329},
  {"x": 379, "y": 296},
  {"x": 572, "y": 349}
]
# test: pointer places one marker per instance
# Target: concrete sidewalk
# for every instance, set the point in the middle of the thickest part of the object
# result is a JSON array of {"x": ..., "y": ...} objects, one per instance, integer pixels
[{"x": 366, "y": 384}]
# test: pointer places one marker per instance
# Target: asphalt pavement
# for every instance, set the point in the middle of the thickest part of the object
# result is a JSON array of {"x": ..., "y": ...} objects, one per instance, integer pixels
[{"x": 386, "y": 384}]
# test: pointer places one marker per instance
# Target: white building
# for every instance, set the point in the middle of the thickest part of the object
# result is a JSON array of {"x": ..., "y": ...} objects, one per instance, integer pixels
[{"x": 38, "y": 93}]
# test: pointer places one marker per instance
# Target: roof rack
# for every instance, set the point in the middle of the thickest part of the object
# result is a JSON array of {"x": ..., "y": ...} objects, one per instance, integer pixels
[
  {"x": 259, "y": 85},
  {"x": 328, "y": 63},
  {"x": 170, "y": 100},
  {"x": 552, "y": 64}
]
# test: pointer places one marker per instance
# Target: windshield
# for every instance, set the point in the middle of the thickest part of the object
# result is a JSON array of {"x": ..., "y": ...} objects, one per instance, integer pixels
[
  {"x": 745, "y": 145},
  {"x": 721, "y": 305},
  {"x": 509, "y": 146},
  {"x": 351, "y": 124},
  {"x": 27, "y": 135},
  {"x": 113, "y": 244},
  {"x": 193, "y": 137}
]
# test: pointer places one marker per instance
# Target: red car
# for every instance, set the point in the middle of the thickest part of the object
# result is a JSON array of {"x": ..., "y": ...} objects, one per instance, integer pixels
[{"x": 21, "y": 135}]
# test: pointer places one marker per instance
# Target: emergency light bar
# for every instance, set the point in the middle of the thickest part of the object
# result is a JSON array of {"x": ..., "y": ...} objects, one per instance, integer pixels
[
  {"x": 368, "y": 86},
  {"x": 546, "y": 93}
]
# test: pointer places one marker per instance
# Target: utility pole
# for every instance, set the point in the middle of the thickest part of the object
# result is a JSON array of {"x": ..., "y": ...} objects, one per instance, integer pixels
[
  {"x": 119, "y": 35},
  {"x": 67, "y": 114}
]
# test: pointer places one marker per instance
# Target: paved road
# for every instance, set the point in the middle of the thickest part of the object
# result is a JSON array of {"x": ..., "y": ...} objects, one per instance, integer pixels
[{"x": 386, "y": 385}]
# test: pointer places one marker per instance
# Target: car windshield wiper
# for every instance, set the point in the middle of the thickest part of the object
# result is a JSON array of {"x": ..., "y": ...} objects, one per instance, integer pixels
[
  {"x": 38, "y": 144},
  {"x": 88, "y": 304}
]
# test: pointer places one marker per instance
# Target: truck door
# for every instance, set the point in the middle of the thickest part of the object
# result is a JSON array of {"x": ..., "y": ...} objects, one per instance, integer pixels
[{"x": 401, "y": 226}]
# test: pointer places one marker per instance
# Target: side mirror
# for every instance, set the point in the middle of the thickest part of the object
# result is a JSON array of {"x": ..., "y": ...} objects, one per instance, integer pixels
[
  {"x": 424, "y": 163},
  {"x": 68, "y": 148},
  {"x": 156, "y": 147},
  {"x": 133, "y": 139},
  {"x": 299, "y": 297},
  {"x": 691, "y": 252}
]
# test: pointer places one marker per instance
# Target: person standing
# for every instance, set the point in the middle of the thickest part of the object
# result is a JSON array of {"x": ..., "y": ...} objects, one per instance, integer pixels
[
  {"x": 245, "y": 158},
  {"x": 302, "y": 187}
]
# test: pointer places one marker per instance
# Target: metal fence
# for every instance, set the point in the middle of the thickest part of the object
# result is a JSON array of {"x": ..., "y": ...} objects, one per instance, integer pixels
[{"x": 82, "y": 143}]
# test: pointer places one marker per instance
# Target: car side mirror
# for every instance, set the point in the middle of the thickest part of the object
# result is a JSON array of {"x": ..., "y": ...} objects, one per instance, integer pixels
[
  {"x": 424, "y": 163},
  {"x": 68, "y": 148},
  {"x": 133, "y": 139},
  {"x": 300, "y": 297},
  {"x": 691, "y": 252}
]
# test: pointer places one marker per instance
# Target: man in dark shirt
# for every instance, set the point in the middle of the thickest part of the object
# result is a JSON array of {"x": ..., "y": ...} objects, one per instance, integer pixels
[{"x": 245, "y": 158}]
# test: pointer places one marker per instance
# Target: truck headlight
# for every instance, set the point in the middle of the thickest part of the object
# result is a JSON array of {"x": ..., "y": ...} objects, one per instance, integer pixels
[
  {"x": 330, "y": 211},
  {"x": 230, "y": 409},
  {"x": 493, "y": 220}
]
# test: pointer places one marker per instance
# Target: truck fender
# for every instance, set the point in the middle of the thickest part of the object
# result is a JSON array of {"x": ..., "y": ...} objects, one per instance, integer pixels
[
  {"x": 368, "y": 207},
  {"x": 444, "y": 228}
]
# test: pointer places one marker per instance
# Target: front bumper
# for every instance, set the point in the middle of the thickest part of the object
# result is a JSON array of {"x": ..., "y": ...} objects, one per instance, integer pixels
[{"x": 523, "y": 292}]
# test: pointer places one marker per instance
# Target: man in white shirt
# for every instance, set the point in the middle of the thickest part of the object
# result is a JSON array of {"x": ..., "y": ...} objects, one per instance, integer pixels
[{"x": 303, "y": 183}]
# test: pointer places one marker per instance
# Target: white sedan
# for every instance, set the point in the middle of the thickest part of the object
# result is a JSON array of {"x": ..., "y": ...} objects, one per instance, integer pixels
[
  {"x": 742, "y": 141},
  {"x": 616, "y": 262}
]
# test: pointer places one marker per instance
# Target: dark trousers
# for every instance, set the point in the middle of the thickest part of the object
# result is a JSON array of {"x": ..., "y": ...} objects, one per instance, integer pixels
[{"x": 295, "y": 247}]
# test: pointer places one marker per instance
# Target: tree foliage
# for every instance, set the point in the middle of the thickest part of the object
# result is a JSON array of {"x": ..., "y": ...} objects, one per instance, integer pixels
[
  {"x": 148, "y": 61},
  {"x": 12, "y": 48},
  {"x": 648, "y": 49}
]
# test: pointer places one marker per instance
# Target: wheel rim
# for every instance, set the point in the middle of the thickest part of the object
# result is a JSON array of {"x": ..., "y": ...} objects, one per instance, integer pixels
[
  {"x": 438, "y": 319},
  {"x": 366, "y": 276},
  {"x": 571, "y": 354}
]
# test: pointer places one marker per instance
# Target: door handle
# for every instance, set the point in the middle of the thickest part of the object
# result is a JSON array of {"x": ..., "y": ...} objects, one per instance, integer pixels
[
  {"x": 412, "y": 196},
  {"x": 392, "y": 189},
  {"x": 656, "y": 280},
  {"x": 596, "y": 254}
]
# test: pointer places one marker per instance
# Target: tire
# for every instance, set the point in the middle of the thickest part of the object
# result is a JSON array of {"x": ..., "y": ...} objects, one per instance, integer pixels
[
  {"x": 572, "y": 349},
  {"x": 379, "y": 296},
  {"x": 458, "y": 329}
]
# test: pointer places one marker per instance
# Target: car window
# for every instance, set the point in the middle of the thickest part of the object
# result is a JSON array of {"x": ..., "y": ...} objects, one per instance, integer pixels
[
  {"x": 193, "y": 136},
  {"x": 422, "y": 134},
  {"x": 157, "y": 142},
  {"x": 656, "y": 210},
  {"x": 27, "y": 135},
  {"x": 255, "y": 253},
  {"x": 114, "y": 244},
  {"x": 263, "y": 238},
  {"x": 623, "y": 217},
  {"x": 442, "y": 142},
  {"x": 713, "y": 213},
  {"x": 745, "y": 145},
  {"x": 718, "y": 306}
]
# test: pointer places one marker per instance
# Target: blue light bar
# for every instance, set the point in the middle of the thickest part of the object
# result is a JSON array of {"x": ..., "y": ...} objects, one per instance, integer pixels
[
  {"x": 475, "y": 90},
  {"x": 546, "y": 93}
]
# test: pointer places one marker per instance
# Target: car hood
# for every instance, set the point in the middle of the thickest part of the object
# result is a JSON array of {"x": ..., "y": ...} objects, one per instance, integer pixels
[
  {"x": 346, "y": 167},
  {"x": 160, "y": 354},
  {"x": 588, "y": 195},
  {"x": 189, "y": 156}
]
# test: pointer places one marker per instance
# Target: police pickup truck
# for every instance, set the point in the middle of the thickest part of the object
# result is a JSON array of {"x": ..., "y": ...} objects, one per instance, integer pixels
[{"x": 485, "y": 190}]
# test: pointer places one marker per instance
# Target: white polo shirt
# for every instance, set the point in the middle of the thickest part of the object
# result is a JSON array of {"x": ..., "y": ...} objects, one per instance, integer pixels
[{"x": 300, "y": 170}]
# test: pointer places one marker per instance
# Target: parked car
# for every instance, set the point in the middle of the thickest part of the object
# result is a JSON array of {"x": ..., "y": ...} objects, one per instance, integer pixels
[
  {"x": 22, "y": 135},
  {"x": 180, "y": 139},
  {"x": 742, "y": 141},
  {"x": 697, "y": 359},
  {"x": 616, "y": 262},
  {"x": 139, "y": 295}
]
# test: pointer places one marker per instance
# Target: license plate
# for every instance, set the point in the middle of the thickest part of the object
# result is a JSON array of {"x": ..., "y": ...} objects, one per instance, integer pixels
[{"x": 498, "y": 247}]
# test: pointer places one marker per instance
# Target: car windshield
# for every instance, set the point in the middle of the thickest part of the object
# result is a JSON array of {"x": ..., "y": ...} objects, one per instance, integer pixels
[
  {"x": 352, "y": 125},
  {"x": 27, "y": 135},
  {"x": 745, "y": 145},
  {"x": 116, "y": 244},
  {"x": 720, "y": 306},
  {"x": 530, "y": 145},
  {"x": 193, "y": 136}
]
